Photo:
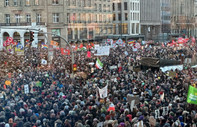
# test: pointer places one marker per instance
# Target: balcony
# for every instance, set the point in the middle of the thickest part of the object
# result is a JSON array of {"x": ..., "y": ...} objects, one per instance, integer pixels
[
  {"x": 15, "y": 24},
  {"x": 21, "y": 24}
]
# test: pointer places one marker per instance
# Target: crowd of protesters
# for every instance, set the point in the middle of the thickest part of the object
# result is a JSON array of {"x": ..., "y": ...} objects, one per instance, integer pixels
[{"x": 62, "y": 101}]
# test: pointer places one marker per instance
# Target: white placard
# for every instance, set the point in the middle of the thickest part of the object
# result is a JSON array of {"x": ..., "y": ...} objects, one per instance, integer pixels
[
  {"x": 132, "y": 105},
  {"x": 26, "y": 89},
  {"x": 103, "y": 92},
  {"x": 103, "y": 51},
  {"x": 157, "y": 113},
  {"x": 169, "y": 68}
]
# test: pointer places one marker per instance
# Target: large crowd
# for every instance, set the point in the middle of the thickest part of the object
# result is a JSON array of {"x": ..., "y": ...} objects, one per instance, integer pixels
[{"x": 63, "y": 101}]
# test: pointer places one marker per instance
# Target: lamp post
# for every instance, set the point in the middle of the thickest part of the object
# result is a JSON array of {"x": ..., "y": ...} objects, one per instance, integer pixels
[{"x": 72, "y": 53}]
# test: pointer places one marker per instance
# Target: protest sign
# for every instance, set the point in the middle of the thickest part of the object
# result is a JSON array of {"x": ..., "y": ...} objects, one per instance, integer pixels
[
  {"x": 26, "y": 89},
  {"x": 130, "y": 98},
  {"x": 192, "y": 95},
  {"x": 172, "y": 74},
  {"x": 103, "y": 51},
  {"x": 103, "y": 92},
  {"x": 168, "y": 68},
  {"x": 113, "y": 67}
]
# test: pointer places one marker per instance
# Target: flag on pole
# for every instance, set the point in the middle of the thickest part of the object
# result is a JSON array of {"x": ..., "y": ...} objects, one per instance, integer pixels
[
  {"x": 192, "y": 95},
  {"x": 131, "y": 42},
  {"x": 38, "y": 83},
  {"x": 162, "y": 96},
  {"x": 54, "y": 43},
  {"x": 45, "y": 46},
  {"x": 65, "y": 51},
  {"x": 111, "y": 107},
  {"x": 99, "y": 65},
  {"x": 88, "y": 54},
  {"x": 193, "y": 39}
]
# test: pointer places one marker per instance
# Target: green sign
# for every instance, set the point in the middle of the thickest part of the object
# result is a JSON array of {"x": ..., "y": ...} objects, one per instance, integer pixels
[{"x": 192, "y": 95}]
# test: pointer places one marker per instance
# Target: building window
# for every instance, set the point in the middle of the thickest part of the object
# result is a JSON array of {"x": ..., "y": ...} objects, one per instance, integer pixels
[
  {"x": 55, "y": 1},
  {"x": 74, "y": 2},
  {"x": 36, "y": 2},
  {"x": 125, "y": 28},
  {"x": 28, "y": 18},
  {"x": 68, "y": 17},
  {"x": 113, "y": 7},
  {"x": 104, "y": 8},
  {"x": 109, "y": 8},
  {"x": 17, "y": 16},
  {"x": 15, "y": 3},
  {"x": 114, "y": 17},
  {"x": 137, "y": 28},
  {"x": 27, "y": 3},
  {"x": 7, "y": 18},
  {"x": 55, "y": 17},
  {"x": 119, "y": 6},
  {"x": 119, "y": 17},
  {"x": 125, "y": 5},
  {"x": 126, "y": 16},
  {"x": 100, "y": 7},
  {"x": 89, "y": 3},
  {"x": 133, "y": 28},
  {"x": 38, "y": 18},
  {"x": 6, "y": 2},
  {"x": 83, "y": 3}
]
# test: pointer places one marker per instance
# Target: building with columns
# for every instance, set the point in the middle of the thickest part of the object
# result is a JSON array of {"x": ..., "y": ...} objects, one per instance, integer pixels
[
  {"x": 126, "y": 18},
  {"x": 75, "y": 20}
]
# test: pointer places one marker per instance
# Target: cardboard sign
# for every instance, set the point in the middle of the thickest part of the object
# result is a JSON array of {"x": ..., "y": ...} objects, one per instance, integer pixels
[
  {"x": 113, "y": 67},
  {"x": 172, "y": 74},
  {"x": 130, "y": 98}
]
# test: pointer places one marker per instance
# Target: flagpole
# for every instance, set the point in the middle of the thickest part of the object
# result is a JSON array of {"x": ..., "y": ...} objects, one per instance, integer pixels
[{"x": 72, "y": 53}]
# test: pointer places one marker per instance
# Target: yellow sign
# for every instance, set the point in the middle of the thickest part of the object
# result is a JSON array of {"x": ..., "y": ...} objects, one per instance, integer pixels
[{"x": 7, "y": 82}]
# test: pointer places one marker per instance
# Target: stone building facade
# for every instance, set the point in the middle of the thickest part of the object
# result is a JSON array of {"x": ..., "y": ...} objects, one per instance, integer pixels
[
  {"x": 150, "y": 19},
  {"x": 73, "y": 19},
  {"x": 182, "y": 17}
]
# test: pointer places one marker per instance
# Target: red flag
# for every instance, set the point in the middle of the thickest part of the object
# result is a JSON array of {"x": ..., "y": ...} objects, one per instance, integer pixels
[
  {"x": 89, "y": 54},
  {"x": 193, "y": 40},
  {"x": 92, "y": 44},
  {"x": 6, "y": 43},
  {"x": 81, "y": 46},
  {"x": 88, "y": 47},
  {"x": 76, "y": 47},
  {"x": 65, "y": 51}
]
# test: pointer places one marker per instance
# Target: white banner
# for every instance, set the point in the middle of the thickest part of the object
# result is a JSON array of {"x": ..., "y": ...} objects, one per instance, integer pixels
[
  {"x": 103, "y": 51},
  {"x": 26, "y": 89},
  {"x": 169, "y": 68},
  {"x": 96, "y": 46},
  {"x": 132, "y": 105},
  {"x": 103, "y": 92}
]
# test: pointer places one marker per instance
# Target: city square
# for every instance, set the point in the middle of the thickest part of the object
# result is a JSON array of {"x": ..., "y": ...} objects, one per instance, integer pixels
[{"x": 98, "y": 63}]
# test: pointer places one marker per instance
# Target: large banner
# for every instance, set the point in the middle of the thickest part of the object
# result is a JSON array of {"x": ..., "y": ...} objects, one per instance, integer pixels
[
  {"x": 169, "y": 68},
  {"x": 103, "y": 51},
  {"x": 192, "y": 95}
]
